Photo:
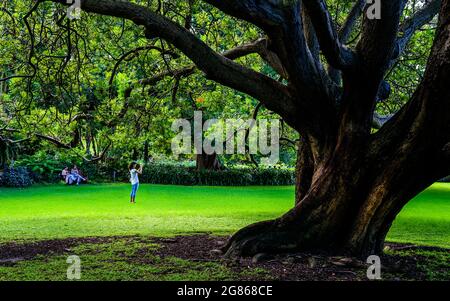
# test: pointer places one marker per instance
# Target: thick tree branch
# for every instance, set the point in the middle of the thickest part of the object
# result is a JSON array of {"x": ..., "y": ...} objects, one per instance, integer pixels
[
  {"x": 283, "y": 23},
  {"x": 424, "y": 123},
  {"x": 314, "y": 91},
  {"x": 373, "y": 52},
  {"x": 258, "y": 47},
  {"x": 337, "y": 55},
  {"x": 378, "y": 39},
  {"x": 412, "y": 24},
  {"x": 355, "y": 13},
  {"x": 407, "y": 30},
  {"x": 54, "y": 141},
  {"x": 265, "y": 14}
]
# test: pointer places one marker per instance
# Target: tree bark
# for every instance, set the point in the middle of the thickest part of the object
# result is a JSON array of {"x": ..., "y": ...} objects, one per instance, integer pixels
[
  {"x": 347, "y": 209},
  {"x": 304, "y": 169},
  {"x": 146, "y": 151},
  {"x": 208, "y": 162}
]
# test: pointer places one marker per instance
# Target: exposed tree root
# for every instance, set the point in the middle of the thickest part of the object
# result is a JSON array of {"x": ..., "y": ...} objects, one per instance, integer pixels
[{"x": 264, "y": 237}]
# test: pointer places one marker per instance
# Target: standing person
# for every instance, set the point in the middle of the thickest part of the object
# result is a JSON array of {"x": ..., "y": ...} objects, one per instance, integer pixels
[{"x": 135, "y": 170}]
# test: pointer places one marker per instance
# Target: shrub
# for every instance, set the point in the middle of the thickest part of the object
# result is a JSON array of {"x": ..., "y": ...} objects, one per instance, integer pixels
[
  {"x": 182, "y": 175},
  {"x": 16, "y": 177}
]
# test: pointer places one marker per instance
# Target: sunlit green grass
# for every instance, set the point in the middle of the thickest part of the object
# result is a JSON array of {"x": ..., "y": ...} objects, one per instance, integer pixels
[
  {"x": 60, "y": 211},
  {"x": 426, "y": 219}
]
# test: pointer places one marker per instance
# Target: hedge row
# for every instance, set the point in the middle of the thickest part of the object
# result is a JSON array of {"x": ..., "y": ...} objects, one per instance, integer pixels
[
  {"x": 169, "y": 174},
  {"x": 181, "y": 175}
]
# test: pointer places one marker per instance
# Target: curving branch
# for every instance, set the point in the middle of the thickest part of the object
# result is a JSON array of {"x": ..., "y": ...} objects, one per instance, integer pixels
[
  {"x": 257, "y": 47},
  {"x": 426, "y": 114},
  {"x": 32, "y": 41},
  {"x": 349, "y": 24},
  {"x": 378, "y": 39},
  {"x": 132, "y": 53},
  {"x": 58, "y": 143},
  {"x": 412, "y": 24},
  {"x": 337, "y": 55},
  {"x": 100, "y": 156}
]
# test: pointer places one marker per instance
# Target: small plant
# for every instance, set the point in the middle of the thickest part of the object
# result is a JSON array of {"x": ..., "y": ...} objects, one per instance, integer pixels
[{"x": 16, "y": 177}]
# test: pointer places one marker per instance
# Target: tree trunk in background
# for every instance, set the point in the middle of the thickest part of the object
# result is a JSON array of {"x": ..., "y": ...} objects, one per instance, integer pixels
[
  {"x": 146, "y": 155},
  {"x": 134, "y": 154},
  {"x": 88, "y": 143},
  {"x": 208, "y": 162},
  {"x": 94, "y": 145}
]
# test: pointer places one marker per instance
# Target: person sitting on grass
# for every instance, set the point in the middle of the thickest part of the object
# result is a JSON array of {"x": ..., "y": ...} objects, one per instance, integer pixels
[
  {"x": 65, "y": 174},
  {"x": 135, "y": 170},
  {"x": 75, "y": 177}
]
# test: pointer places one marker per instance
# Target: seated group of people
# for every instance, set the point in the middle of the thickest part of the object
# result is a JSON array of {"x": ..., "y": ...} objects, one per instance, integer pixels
[{"x": 73, "y": 177}]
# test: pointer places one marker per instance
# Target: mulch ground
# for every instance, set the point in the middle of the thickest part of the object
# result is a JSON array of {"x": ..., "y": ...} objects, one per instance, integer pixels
[{"x": 204, "y": 248}]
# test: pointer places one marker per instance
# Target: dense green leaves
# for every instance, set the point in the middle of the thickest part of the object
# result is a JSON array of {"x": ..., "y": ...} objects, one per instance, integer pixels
[{"x": 71, "y": 80}]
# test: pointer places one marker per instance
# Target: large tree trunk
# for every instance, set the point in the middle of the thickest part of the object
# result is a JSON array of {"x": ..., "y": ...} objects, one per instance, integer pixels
[
  {"x": 348, "y": 208},
  {"x": 360, "y": 181}
]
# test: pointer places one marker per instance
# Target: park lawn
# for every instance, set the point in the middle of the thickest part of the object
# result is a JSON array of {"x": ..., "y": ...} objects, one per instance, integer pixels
[{"x": 58, "y": 211}]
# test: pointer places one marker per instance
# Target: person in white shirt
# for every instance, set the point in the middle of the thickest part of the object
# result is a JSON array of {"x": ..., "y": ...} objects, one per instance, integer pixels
[{"x": 135, "y": 170}]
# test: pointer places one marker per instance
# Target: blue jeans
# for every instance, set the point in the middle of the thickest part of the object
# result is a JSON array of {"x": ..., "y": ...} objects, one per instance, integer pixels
[{"x": 134, "y": 189}]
